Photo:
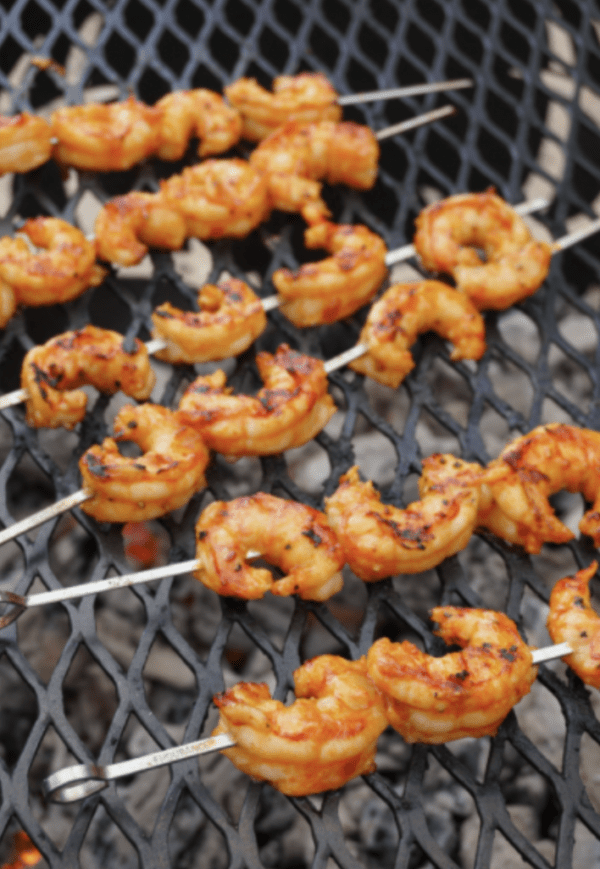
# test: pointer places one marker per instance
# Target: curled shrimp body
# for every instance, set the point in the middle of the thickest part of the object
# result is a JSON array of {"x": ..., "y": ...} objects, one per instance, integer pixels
[
  {"x": 572, "y": 620},
  {"x": 405, "y": 311},
  {"x": 132, "y": 489},
  {"x": 105, "y": 137},
  {"x": 218, "y": 198},
  {"x": 292, "y": 536},
  {"x": 62, "y": 269},
  {"x": 51, "y": 374},
  {"x": 291, "y": 408},
  {"x": 339, "y": 285},
  {"x": 466, "y": 693},
  {"x": 448, "y": 233},
  {"x": 532, "y": 468},
  {"x": 198, "y": 112},
  {"x": 231, "y": 317},
  {"x": 381, "y": 540},
  {"x": 326, "y": 737},
  {"x": 25, "y": 142},
  {"x": 128, "y": 225},
  {"x": 297, "y": 156},
  {"x": 302, "y": 98}
]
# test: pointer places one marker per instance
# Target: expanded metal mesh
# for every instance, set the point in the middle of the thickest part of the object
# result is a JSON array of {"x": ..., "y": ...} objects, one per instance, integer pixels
[{"x": 120, "y": 675}]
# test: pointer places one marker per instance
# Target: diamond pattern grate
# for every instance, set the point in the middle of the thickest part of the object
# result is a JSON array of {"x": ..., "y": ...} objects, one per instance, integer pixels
[{"x": 529, "y": 127}]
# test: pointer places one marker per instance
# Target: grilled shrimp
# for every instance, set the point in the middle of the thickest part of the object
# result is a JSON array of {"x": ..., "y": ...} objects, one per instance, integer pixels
[
  {"x": 302, "y": 98},
  {"x": 466, "y": 693},
  {"x": 198, "y": 112},
  {"x": 297, "y": 156},
  {"x": 128, "y": 225},
  {"x": 529, "y": 470},
  {"x": 25, "y": 142},
  {"x": 402, "y": 313},
  {"x": 62, "y": 270},
  {"x": 381, "y": 540},
  {"x": 292, "y": 536},
  {"x": 572, "y": 620},
  {"x": 339, "y": 285},
  {"x": 448, "y": 233},
  {"x": 168, "y": 473},
  {"x": 231, "y": 317},
  {"x": 325, "y": 738},
  {"x": 100, "y": 357},
  {"x": 105, "y": 137},
  {"x": 218, "y": 198},
  {"x": 290, "y": 410}
]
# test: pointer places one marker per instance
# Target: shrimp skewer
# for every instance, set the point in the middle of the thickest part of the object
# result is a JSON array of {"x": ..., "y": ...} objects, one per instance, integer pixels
[
  {"x": 231, "y": 317},
  {"x": 295, "y": 537},
  {"x": 115, "y": 136},
  {"x": 76, "y": 782},
  {"x": 230, "y": 198}
]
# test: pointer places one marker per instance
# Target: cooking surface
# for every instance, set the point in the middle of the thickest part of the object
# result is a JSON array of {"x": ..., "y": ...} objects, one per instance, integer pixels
[{"x": 127, "y": 672}]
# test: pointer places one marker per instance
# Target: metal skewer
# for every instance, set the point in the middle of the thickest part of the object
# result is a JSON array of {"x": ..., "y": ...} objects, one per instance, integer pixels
[
  {"x": 21, "y": 602},
  {"x": 76, "y": 782},
  {"x": 414, "y": 90}
]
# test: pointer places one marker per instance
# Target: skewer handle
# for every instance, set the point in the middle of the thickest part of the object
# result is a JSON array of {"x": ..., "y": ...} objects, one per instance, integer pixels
[{"x": 61, "y": 788}]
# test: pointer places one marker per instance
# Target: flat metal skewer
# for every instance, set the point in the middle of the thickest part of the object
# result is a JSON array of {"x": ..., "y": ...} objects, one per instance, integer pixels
[
  {"x": 76, "y": 782},
  {"x": 405, "y": 91},
  {"x": 21, "y": 602}
]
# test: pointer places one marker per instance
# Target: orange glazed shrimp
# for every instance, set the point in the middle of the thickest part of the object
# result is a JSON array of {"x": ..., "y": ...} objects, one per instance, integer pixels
[
  {"x": 402, "y": 313},
  {"x": 448, "y": 233},
  {"x": 166, "y": 476},
  {"x": 197, "y": 112},
  {"x": 290, "y": 410},
  {"x": 105, "y": 137},
  {"x": 297, "y": 156},
  {"x": 572, "y": 620},
  {"x": 529, "y": 470},
  {"x": 128, "y": 225},
  {"x": 339, "y": 285},
  {"x": 231, "y": 317},
  {"x": 218, "y": 198},
  {"x": 62, "y": 270},
  {"x": 381, "y": 540},
  {"x": 100, "y": 357},
  {"x": 25, "y": 142},
  {"x": 466, "y": 693},
  {"x": 292, "y": 536},
  {"x": 325, "y": 738},
  {"x": 303, "y": 98}
]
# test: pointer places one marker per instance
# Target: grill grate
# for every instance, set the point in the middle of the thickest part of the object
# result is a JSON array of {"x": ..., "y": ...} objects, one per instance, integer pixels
[{"x": 529, "y": 127}]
